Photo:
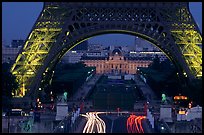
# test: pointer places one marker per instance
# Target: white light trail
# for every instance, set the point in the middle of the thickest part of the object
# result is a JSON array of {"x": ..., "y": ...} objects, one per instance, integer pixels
[{"x": 94, "y": 123}]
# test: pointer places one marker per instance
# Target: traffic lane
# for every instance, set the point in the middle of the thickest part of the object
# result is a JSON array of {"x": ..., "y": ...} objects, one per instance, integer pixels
[
  {"x": 146, "y": 126},
  {"x": 107, "y": 121},
  {"x": 119, "y": 125},
  {"x": 94, "y": 124},
  {"x": 134, "y": 124}
]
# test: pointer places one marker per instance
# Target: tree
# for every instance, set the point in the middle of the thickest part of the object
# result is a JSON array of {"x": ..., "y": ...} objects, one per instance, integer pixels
[
  {"x": 156, "y": 63},
  {"x": 9, "y": 85},
  {"x": 166, "y": 66},
  {"x": 194, "y": 91}
]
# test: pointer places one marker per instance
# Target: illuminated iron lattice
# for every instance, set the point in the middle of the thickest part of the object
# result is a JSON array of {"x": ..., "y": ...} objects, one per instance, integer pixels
[
  {"x": 35, "y": 50},
  {"x": 61, "y": 26},
  {"x": 189, "y": 41}
]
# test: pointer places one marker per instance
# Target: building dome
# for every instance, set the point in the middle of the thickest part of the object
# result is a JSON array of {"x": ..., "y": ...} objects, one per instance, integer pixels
[{"x": 117, "y": 51}]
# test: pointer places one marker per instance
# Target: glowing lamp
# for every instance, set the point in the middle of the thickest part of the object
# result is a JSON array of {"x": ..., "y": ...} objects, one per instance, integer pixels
[{"x": 182, "y": 112}]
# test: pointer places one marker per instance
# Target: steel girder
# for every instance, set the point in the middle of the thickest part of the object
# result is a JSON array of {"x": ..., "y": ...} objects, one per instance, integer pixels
[{"x": 61, "y": 26}]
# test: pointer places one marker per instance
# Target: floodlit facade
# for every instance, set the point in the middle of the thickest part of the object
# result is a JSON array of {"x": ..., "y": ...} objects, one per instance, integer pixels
[{"x": 116, "y": 62}]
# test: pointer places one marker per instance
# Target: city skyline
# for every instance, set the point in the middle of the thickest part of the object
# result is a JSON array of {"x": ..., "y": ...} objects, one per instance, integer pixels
[{"x": 13, "y": 22}]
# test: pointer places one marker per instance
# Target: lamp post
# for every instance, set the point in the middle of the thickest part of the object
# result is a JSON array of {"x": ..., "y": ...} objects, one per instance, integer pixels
[{"x": 118, "y": 109}]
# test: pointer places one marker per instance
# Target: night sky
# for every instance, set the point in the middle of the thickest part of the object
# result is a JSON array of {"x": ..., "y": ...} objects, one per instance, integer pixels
[{"x": 18, "y": 19}]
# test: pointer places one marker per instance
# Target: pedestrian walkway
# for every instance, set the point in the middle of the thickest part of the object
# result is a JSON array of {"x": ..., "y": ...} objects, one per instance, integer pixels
[
  {"x": 45, "y": 126},
  {"x": 83, "y": 91},
  {"x": 145, "y": 89}
]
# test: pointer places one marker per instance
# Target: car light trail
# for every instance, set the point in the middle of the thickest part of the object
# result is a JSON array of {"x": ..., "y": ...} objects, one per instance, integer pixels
[
  {"x": 97, "y": 125},
  {"x": 94, "y": 123},
  {"x": 134, "y": 124}
]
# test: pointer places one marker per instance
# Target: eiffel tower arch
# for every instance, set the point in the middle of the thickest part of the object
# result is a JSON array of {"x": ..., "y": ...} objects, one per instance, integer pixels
[{"x": 61, "y": 26}]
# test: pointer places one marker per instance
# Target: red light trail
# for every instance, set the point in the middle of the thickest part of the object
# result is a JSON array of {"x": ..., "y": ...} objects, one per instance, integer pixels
[{"x": 134, "y": 124}]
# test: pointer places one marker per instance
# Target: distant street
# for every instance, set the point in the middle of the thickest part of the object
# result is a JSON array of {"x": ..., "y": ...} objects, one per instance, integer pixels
[
  {"x": 145, "y": 89},
  {"x": 83, "y": 91}
]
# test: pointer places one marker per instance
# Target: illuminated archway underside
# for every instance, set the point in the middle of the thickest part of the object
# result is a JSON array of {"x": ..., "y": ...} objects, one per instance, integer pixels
[{"x": 61, "y": 26}]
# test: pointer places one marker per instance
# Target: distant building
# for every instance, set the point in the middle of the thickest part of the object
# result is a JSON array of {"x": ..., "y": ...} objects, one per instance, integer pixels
[
  {"x": 95, "y": 47},
  {"x": 72, "y": 57},
  {"x": 82, "y": 46},
  {"x": 126, "y": 48},
  {"x": 116, "y": 62},
  {"x": 96, "y": 54},
  {"x": 146, "y": 49},
  {"x": 4, "y": 43},
  {"x": 151, "y": 54},
  {"x": 17, "y": 43},
  {"x": 9, "y": 54},
  {"x": 143, "y": 45}
]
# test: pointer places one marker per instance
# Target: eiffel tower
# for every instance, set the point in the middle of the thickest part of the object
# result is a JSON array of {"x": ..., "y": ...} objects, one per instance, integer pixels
[{"x": 61, "y": 26}]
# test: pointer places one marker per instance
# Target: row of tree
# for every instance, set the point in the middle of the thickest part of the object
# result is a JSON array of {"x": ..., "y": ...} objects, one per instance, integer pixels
[
  {"x": 9, "y": 86},
  {"x": 59, "y": 84},
  {"x": 163, "y": 78}
]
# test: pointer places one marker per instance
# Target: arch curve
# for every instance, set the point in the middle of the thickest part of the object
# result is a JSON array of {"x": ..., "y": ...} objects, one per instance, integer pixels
[{"x": 61, "y": 26}]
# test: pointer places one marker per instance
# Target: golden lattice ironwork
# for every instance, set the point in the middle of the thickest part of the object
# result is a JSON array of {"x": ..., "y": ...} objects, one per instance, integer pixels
[
  {"x": 190, "y": 42},
  {"x": 61, "y": 26}
]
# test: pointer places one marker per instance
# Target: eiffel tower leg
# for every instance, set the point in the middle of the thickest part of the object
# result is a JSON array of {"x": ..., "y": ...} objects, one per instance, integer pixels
[{"x": 61, "y": 26}]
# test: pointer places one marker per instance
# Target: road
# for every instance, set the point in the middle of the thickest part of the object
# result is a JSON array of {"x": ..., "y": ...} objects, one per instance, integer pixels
[
  {"x": 102, "y": 123},
  {"x": 82, "y": 93},
  {"x": 94, "y": 123},
  {"x": 117, "y": 124},
  {"x": 113, "y": 123},
  {"x": 134, "y": 124},
  {"x": 120, "y": 125}
]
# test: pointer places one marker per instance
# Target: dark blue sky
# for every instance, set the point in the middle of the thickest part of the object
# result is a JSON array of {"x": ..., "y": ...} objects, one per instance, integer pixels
[{"x": 18, "y": 19}]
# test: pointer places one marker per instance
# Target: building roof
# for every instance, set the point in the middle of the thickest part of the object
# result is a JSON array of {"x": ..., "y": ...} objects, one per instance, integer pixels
[
  {"x": 116, "y": 51},
  {"x": 104, "y": 58},
  {"x": 93, "y": 58},
  {"x": 94, "y": 51},
  {"x": 138, "y": 58}
]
